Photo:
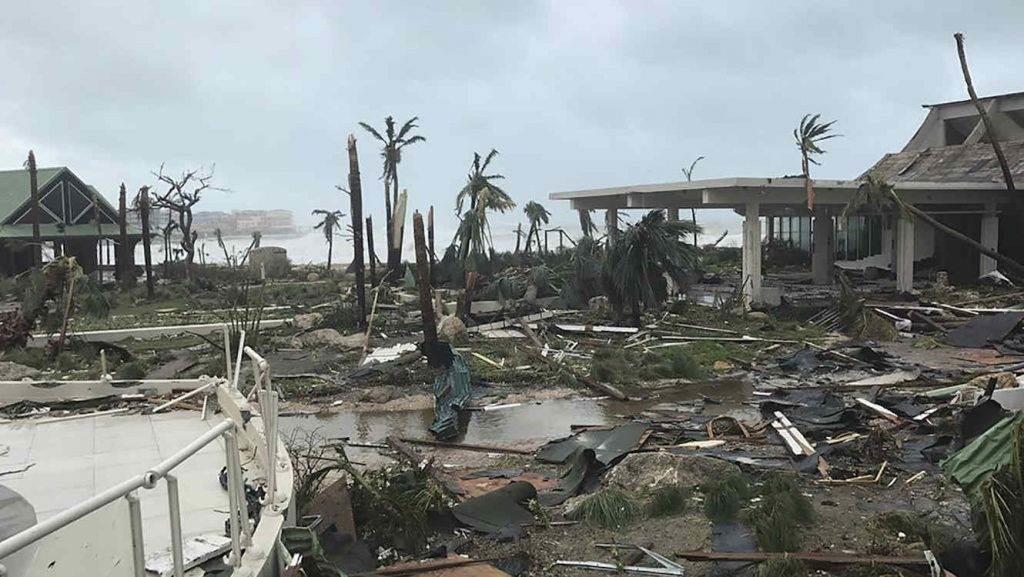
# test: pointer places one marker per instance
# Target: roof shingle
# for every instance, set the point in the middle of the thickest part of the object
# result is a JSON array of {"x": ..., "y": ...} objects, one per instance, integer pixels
[{"x": 957, "y": 163}]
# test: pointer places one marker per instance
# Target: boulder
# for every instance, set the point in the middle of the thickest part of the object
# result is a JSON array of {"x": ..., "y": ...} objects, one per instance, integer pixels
[
  {"x": 307, "y": 321},
  {"x": 14, "y": 372},
  {"x": 451, "y": 328},
  {"x": 312, "y": 277},
  {"x": 272, "y": 260},
  {"x": 328, "y": 338},
  {"x": 644, "y": 472}
]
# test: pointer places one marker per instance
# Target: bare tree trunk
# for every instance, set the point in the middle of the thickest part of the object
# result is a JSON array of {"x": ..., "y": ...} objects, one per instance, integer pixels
[
  {"x": 355, "y": 188},
  {"x": 400, "y": 227},
  {"x": 146, "y": 254},
  {"x": 693, "y": 216},
  {"x": 330, "y": 249},
  {"x": 423, "y": 280},
  {"x": 370, "y": 252},
  {"x": 1007, "y": 175},
  {"x": 519, "y": 236},
  {"x": 430, "y": 236},
  {"x": 37, "y": 241},
  {"x": 808, "y": 185},
  {"x": 529, "y": 239},
  {"x": 122, "y": 256}
]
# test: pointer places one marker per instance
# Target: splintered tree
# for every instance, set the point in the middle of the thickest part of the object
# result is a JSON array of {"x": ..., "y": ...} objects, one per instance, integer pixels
[
  {"x": 355, "y": 187},
  {"x": 142, "y": 205},
  {"x": 329, "y": 220},
  {"x": 808, "y": 137},
  {"x": 37, "y": 251},
  {"x": 392, "y": 143},
  {"x": 123, "y": 248},
  {"x": 182, "y": 194}
]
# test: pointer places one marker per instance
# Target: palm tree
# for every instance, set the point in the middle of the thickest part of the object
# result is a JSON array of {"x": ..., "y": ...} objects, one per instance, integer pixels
[
  {"x": 330, "y": 221},
  {"x": 689, "y": 178},
  {"x": 392, "y": 143},
  {"x": 641, "y": 257},
  {"x": 808, "y": 136},
  {"x": 537, "y": 215},
  {"x": 483, "y": 195}
]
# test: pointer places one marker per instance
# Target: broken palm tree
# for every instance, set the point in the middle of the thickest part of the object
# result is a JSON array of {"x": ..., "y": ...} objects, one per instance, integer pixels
[{"x": 860, "y": 321}]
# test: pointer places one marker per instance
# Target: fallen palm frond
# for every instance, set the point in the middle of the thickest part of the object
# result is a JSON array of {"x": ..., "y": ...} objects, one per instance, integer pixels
[
  {"x": 1000, "y": 512},
  {"x": 859, "y": 321},
  {"x": 610, "y": 509},
  {"x": 724, "y": 497}
]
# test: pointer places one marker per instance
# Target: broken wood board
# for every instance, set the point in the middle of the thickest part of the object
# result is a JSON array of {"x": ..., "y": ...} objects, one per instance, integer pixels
[
  {"x": 450, "y": 567},
  {"x": 893, "y": 378},
  {"x": 794, "y": 439},
  {"x": 597, "y": 329},
  {"x": 878, "y": 409},
  {"x": 514, "y": 321}
]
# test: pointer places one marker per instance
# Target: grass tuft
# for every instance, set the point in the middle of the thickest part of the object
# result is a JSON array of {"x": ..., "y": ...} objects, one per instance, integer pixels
[
  {"x": 781, "y": 513},
  {"x": 610, "y": 509},
  {"x": 723, "y": 498},
  {"x": 668, "y": 501},
  {"x": 782, "y": 568}
]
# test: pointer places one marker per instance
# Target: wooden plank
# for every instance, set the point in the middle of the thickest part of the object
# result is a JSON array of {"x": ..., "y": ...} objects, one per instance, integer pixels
[{"x": 823, "y": 558}]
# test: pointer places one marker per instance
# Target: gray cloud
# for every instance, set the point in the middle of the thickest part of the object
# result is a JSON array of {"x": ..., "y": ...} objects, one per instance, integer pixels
[{"x": 574, "y": 94}]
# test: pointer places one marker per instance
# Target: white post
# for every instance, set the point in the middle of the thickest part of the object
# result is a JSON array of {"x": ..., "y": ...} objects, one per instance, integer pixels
[
  {"x": 174, "y": 512},
  {"x": 611, "y": 223},
  {"x": 227, "y": 353},
  {"x": 672, "y": 214},
  {"x": 752, "y": 255},
  {"x": 822, "y": 250},
  {"x": 904, "y": 254},
  {"x": 887, "y": 242},
  {"x": 989, "y": 238},
  {"x": 138, "y": 546}
]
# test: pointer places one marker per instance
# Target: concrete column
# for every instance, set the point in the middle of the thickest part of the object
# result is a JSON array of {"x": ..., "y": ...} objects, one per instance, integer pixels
[
  {"x": 887, "y": 243},
  {"x": 672, "y": 214},
  {"x": 611, "y": 223},
  {"x": 989, "y": 238},
  {"x": 751, "y": 255},
  {"x": 822, "y": 253},
  {"x": 904, "y": 254}
]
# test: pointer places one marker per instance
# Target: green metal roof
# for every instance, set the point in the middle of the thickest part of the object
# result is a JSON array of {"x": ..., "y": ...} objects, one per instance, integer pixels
[
  {"x": 16, "y": 188},
  {"x": 53, "y": 231}
]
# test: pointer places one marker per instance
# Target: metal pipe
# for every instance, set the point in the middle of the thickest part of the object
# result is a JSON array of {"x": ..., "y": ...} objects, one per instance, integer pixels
[
  {"x": 138, "y": 545},
  {"x": 159, "y": 471},
  {"x": 77, "y": 417},
  {"x": 16, "y": 542},
  {"x": 272, "y": 445},
  {"x": 227, "y": 353},
  {"x": 187, "y": 395},
  {"x": 104, "y": 374},
  {"x": 174, "y": 509},
  {"x": 231, "y": 451},
  {"x": 238, "y": 361}
]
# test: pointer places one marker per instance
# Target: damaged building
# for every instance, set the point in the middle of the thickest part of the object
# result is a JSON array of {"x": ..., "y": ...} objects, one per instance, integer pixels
[{"x": 948, "y": 169}]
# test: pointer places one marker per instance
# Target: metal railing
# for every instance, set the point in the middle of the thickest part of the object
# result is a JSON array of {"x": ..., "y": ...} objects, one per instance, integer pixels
[{"x": 240, "y": 528}]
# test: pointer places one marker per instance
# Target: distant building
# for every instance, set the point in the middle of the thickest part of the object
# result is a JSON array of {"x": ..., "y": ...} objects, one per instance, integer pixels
[{"x": 245, "y": 222}]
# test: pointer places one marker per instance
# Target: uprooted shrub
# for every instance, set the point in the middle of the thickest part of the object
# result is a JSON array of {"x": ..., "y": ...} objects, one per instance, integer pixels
[{"x": 668, "y": 500}]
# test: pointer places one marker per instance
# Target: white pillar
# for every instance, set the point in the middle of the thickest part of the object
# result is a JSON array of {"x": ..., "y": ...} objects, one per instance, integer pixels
[
  {"x": 904, "y": 254},
  {"x": 989, "y": 238},
  {"x": 751, "y": 255},
  {"x": 611, "y": 223},
  {"x": 887, "y": 243},
  {"x": 822, "y": 251},
  {"x": 672, "y": 214}
]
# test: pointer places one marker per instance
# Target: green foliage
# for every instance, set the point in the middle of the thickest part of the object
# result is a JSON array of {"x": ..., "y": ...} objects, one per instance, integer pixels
[
  {"x": 785, "y": 567},
  {"x": 344, "y": 317},
  {"x": 641, "y": 257},
  {"x": 917, "y": 529},
  {"x": 724, "y": 497},
  {"x": 781, "y": 513},
  {"x": 609, "y": 508},
  {"x": 34, "y": 357},
  {"x": 668, "y": 501},
  {"x": 130, "y": 371},
  {"x": 999, "y": 512},
  {"x": 474, "y": 235},
  {"x": 810, "y": 135},
  {"x": 66, "y": 361},
  {"x": 670, "y": 363},
  {"x": 583, "y": 281}
]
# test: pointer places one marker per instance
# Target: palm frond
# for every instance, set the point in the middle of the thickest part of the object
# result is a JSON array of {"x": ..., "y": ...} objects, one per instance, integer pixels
[{"x": 372, "y": 131}]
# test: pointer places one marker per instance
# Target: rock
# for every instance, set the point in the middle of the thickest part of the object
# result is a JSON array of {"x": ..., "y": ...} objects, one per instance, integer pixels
[
  {"x": 599, "y": 304},
  {"x": 757, "y": 315},
  {"x": 643, "y": 472},
  {"x": 721, "y": 366},
  {"x": 531, "y": 294},
  {"x": 272, "y": 260},
  {"x": 14, "y": 372},
  {"x": 379, "y": 395},
  {"x": 307, "y": 321},
  {"x": 312, "y": 277},
  {"x": 328, "y": 338},
  {"x": 1004, "y": 380},
  {"x": 451, "y": 328}
]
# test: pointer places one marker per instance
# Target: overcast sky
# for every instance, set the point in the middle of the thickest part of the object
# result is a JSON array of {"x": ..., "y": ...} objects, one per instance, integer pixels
[{"x": 573, "y": 94}]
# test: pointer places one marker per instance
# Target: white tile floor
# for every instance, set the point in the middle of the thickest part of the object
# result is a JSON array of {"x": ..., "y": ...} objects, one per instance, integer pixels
[{"x": 74, "y": 460}]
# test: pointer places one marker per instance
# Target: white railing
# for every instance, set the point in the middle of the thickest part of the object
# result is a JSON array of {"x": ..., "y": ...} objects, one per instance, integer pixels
[{"x": 232, "y": 431}]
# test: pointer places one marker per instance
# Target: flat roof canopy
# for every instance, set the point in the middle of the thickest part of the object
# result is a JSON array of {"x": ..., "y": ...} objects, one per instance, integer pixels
[{"x": 789, "y": 193}]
